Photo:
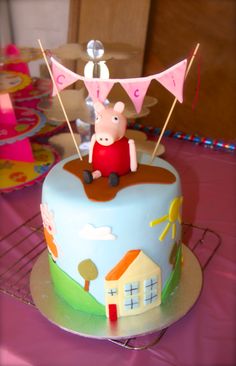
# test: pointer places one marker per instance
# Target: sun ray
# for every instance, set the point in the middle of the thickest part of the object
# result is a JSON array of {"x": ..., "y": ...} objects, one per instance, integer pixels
[
  {"x": 164, "y": 232},
  {"x": 158, "y": 221},
  {"x": 173, "y": 230}
]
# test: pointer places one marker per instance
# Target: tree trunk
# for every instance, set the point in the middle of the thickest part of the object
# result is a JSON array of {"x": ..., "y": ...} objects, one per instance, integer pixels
[{"x": 86, "y": 285}]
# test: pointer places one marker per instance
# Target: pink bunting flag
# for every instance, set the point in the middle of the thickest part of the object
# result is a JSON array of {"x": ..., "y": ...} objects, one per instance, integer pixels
[
  {"x": 136, "y": 90},
  {"x": 98, "y": 89},
  {"x": 63, "y": 77},
  {"x": 173, "y": 79}
]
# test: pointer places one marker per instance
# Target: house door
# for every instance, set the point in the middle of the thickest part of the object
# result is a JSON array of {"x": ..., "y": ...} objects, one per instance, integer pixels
[{"x": 112, "y": 312}]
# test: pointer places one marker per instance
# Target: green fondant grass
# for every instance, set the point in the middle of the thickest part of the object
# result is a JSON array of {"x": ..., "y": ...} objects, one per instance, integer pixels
[
  {"x": 174, "y": 278},
  {"x": 73, "y": 293}
]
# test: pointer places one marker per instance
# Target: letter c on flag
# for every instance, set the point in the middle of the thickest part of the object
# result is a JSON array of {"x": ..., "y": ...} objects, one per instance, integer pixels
[
  {"x": 136, "y": 93},
  {"x": 58, "y": 80}
]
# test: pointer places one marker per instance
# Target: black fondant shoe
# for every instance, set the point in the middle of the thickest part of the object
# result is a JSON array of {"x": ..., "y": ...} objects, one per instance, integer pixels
[
  {"x": 113, "y": 179},
  {"x": 87, "y": 177}
]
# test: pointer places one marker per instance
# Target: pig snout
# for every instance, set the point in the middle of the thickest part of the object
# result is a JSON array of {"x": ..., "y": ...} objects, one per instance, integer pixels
[{"x": 105, "y": 139}]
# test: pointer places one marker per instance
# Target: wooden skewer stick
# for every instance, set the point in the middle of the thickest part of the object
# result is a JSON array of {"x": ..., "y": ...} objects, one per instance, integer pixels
[
  {"x": 59, "y": 98},
  {"x": 173, "y": 106}
]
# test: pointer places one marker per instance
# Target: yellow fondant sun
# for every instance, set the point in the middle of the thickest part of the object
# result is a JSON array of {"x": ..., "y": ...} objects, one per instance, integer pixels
[{"x": 172, "y": 216}]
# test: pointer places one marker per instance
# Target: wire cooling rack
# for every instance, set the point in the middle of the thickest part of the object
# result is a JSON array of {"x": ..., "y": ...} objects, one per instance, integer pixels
[{"x": 20, "y": 248}]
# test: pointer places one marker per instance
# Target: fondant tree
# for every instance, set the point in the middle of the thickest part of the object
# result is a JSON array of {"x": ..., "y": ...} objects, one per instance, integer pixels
[{"x": 88, "y": 270}]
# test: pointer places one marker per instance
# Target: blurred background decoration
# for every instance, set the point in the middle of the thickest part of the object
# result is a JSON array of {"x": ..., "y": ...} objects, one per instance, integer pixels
[{"x": 154, "y": 35}]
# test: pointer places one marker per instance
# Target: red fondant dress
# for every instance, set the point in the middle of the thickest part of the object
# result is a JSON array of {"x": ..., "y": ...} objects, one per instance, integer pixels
[{"x": 112, "y": 159}]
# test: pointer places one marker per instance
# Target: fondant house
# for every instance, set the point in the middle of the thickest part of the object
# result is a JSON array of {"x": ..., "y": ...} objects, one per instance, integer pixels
[{"x": 133, "y": 286}]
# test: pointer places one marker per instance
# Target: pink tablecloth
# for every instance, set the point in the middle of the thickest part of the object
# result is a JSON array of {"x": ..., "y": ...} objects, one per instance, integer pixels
[{"x": 206, "y": 336}]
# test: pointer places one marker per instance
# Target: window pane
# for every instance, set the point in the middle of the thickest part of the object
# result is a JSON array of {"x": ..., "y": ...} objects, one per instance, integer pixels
[
  {"x": 131, "y": 303},
  {"x": 150, "y": 297},
  {"x": 112, "y": 291},
  {"x": 150, "y": 283},
  {"x": 131, "y": 288}
]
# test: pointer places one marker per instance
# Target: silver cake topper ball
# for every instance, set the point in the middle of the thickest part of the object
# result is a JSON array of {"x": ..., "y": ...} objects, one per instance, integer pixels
[{"x": 95, "y": 49}]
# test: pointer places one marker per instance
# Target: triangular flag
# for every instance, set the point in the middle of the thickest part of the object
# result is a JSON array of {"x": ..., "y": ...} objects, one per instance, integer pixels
[
  {"x": 173, "y": 79},
  {"x": 98, "y": 89},
  {"x": 63, "y": 77},
  {"x": 136, "y": 90}
]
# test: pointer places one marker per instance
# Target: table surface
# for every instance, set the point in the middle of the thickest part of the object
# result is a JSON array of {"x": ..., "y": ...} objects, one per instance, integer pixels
[{"x": 205, "y": 336}]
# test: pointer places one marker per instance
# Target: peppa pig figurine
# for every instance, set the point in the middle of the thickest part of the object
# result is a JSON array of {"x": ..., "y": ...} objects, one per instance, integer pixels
[{"x": 111, "y": 153}]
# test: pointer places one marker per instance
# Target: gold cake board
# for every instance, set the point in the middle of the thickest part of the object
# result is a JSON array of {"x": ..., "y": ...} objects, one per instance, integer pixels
[{"x": 57, "y": 311}]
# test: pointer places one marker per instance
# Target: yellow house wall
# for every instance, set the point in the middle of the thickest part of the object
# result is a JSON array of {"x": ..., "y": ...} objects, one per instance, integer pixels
[{"x": 140, "y": 270}]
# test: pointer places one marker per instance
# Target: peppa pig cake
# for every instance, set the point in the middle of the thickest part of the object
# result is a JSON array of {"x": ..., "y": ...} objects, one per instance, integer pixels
[{"x": 112, "y": 224}]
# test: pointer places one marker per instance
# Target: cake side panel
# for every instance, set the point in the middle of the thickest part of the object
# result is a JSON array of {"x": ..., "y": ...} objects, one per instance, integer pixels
[{"x": 91, "y": 237}]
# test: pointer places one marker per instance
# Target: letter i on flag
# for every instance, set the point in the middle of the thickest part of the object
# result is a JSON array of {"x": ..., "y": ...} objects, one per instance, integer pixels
[
  {"x": 173, "y": 79},
  {"x": 63, "y": 77},
  {"x": 98, "y": 90}
]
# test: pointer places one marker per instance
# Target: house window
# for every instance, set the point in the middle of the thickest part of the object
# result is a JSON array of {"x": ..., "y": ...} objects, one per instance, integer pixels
[
  {"x": 131, "y": 288},
  {"x": 150, "y": 284},
  {"x": 150, "y": 297},
  {"x": 112, "y": 291},
  {"x": 131, "y": 303},
  {"x": 150, "y": 290}
]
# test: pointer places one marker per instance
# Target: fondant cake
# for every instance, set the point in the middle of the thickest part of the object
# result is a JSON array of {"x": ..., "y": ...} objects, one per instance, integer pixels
[
  {"x": 113, "y": 227},
  {"x": 113, "y": 250}
]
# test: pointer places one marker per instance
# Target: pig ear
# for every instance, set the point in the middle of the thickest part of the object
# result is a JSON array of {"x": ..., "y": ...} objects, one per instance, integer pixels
[
  {"x": 119, "y": 107},
  {"x": 98, "y": 106}
]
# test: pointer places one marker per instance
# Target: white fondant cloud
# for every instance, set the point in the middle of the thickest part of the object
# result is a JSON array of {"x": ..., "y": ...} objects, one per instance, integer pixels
[{"x": 97, "y": 233}]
